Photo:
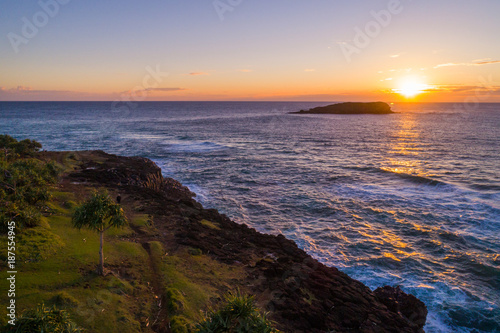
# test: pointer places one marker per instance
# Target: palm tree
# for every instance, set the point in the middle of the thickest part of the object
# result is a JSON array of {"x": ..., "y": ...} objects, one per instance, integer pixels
[{"x": 99, "y": 213}]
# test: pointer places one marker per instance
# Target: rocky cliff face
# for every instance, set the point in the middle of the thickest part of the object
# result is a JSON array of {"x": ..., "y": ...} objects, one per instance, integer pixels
[
  {"x": 301, "y": 294},
  {"x": 129, "y": 171}
]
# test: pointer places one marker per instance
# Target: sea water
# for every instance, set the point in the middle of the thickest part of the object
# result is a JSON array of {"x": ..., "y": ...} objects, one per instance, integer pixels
[{"x": 409, "y": 199}]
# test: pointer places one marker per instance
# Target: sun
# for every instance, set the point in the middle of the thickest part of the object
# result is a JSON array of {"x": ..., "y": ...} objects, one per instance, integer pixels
[{"x": 411, "y": 87}]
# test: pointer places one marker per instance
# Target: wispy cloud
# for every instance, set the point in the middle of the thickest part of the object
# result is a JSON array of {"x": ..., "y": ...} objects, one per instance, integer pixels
[
  {"x": 165, "y": 89},
  {"x": 245, "y": 70},
  {"x": 153, "y": 90},
  {"x": 309, "y": 70},
  {"x": 395, "y": 55},
  {"x": 473, "y": 63},
  {"x": 488, "y": 62},
  {"x": 492, "y": 89},
  {"x": 462, "y": 88},
  {"x": 29, "y": 90},
  {"x": 198, "y": 73},
  {"x": 29, "y": 94}
]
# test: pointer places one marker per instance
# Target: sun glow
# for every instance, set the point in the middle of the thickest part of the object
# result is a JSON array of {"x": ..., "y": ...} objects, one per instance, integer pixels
[{"x": 411, "y": 87}]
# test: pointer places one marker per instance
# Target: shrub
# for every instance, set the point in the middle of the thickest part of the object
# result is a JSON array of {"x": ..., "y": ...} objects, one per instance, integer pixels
[
  {"x": 43, "y": 319},
  {"x": 13, "y": 148},
  {"x": 237, "y": 314},
  {"x": 24, "y": 182}
]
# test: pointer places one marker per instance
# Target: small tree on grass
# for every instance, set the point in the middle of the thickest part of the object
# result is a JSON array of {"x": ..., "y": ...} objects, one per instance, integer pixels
[{"x": 99, "y": 213}]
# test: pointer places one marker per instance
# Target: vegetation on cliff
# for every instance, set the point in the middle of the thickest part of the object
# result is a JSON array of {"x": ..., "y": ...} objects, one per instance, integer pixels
[
  {"x": 237, "y": 314},
  {"x": 24, "y": 183},
  {"x": 175, "y": 261}
]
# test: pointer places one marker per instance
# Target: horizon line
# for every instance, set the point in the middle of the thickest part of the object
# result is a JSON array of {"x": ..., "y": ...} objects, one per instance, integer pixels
[{"x": 240, "y": 101}]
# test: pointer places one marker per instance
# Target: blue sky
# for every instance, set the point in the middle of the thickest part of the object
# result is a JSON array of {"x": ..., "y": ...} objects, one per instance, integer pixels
[{"x": 282, "y": 49}]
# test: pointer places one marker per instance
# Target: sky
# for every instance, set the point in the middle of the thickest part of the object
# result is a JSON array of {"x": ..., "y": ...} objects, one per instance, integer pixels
[{"x": 252, "y": 50}]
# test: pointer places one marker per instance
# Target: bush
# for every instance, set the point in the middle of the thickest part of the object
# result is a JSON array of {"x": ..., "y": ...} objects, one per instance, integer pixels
[
  {"x": 237, "y": 314},
  {"x": 43, "y": 319},
  {"x": 24, "y": 182},
  {"x": 13, "y": 148}
]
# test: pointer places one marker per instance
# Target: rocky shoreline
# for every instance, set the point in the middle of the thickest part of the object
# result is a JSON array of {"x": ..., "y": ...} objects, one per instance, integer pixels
[{"x": 300, "y": 294}]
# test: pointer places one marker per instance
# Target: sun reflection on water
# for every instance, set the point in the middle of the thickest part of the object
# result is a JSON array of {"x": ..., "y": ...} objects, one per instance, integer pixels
[{"x": 405, "y": 148}]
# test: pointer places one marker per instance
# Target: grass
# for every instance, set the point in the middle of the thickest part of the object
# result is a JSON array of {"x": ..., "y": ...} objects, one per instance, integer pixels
[
  {"x": 58, "y": 268},
  {"x": 144, "y": 224},
  {"x": 191, "y": 281},
  {"x": 210, "y": 224}
]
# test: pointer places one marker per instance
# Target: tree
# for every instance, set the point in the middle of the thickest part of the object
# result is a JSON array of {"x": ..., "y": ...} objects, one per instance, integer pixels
[{"x": 99, "y": 213}]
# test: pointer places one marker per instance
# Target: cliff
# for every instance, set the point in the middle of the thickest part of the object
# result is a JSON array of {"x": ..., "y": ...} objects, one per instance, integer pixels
[
  {"x": 216, "y": 254},
  {"x": 350, "y": 108}
]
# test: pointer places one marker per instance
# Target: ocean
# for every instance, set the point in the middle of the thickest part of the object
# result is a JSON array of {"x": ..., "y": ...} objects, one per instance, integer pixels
[{"x": 409, "y": 199}]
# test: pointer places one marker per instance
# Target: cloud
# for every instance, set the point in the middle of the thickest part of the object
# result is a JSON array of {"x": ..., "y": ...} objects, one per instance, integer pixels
[
  {"x": 309, "y": 70},
  {"x": 198, "y": 73},
  {"x": 488, "y": 62},
  {"x": 459, "y": 88},
  {"x": 473, "y": 63},
  {"x": 245, "y": 70},
  {"x": 467, "y": 88},
  {"x": 395, "y": 55},
  {"x": 20, "y": 90},
  {"x": 165, "y": 89},
  {"x": 151, "y": 90}
]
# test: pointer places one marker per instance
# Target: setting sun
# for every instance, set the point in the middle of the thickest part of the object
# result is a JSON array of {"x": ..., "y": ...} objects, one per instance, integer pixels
[{"x": 411, "y": 87}]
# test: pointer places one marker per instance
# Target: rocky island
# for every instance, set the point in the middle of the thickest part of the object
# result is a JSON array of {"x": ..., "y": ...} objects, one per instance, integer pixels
[
  {"x": 350, "y": 108},
  {"x": 177, "y": 259}
]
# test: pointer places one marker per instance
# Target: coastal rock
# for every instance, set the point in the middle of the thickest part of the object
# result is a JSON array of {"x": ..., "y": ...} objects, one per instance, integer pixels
[
  {"x": 398, "y": 301},
  {"x": 135, "y": 171},
  {"x": 300, "y": 293},
  {"x": 350, "y": 108}
]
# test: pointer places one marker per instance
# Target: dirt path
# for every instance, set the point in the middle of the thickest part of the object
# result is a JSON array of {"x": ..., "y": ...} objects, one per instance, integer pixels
[{"x": 160, "y": 321}]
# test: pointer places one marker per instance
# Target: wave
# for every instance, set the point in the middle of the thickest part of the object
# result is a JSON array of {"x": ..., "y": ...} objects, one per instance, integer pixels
[
  {"x": 485, "y": 187},
  {"x": 418, "y": 179},
  {"x": 193, "y": 146}
]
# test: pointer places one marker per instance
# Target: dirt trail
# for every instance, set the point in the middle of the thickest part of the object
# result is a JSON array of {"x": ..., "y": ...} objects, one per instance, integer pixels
[{"x": 160, "y": 323}]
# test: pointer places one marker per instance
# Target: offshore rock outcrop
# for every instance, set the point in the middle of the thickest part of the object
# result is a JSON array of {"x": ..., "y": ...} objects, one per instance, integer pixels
[
  {"x": 301, "y": 294},
  {"x": 350, "y": 108}
]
